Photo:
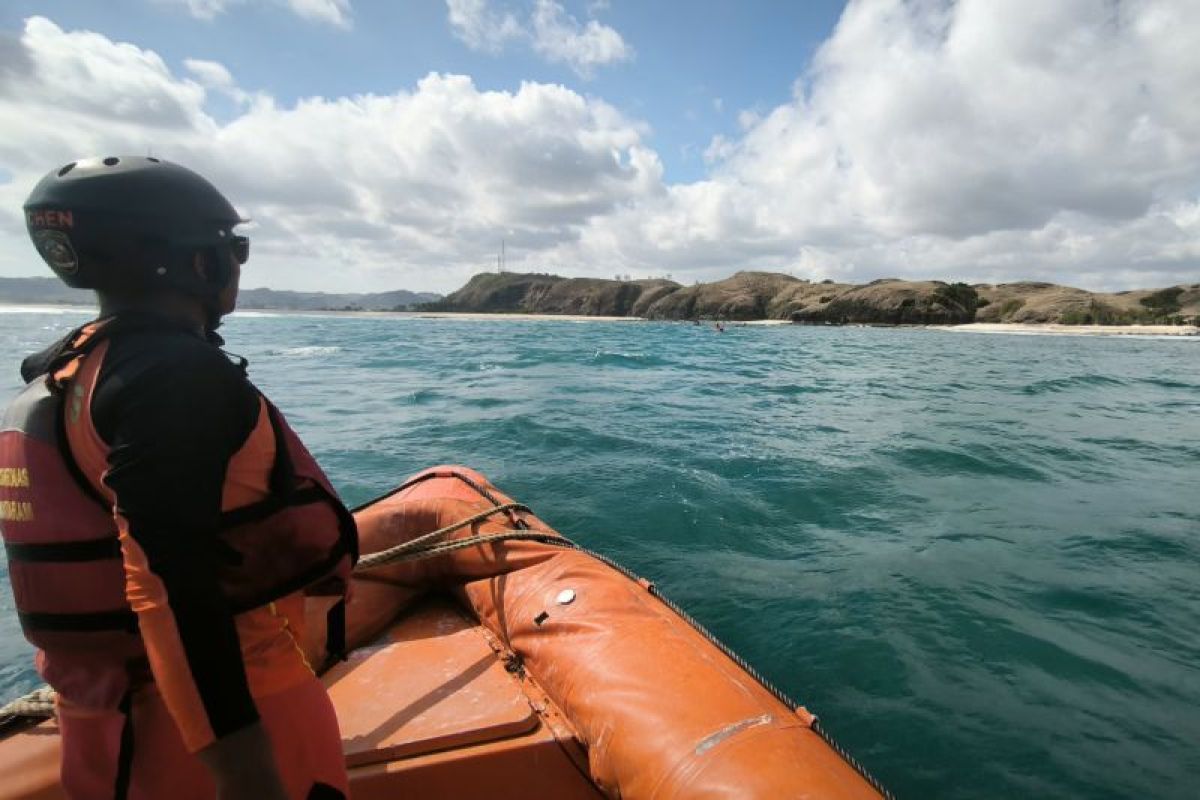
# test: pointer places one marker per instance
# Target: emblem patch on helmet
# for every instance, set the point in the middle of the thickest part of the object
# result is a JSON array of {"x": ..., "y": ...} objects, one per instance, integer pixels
[{"x": 55, "y": 247}]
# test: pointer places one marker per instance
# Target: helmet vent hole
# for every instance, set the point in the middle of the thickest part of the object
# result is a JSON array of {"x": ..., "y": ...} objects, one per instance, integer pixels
[
  {"x": 66, "y": 169},
  {"x": 152, "y": 158},
  {"x": 111, "y": 161}
]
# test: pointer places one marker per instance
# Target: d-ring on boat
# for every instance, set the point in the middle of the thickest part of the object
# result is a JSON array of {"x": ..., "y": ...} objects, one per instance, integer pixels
[{"x": 492, "y": 658}]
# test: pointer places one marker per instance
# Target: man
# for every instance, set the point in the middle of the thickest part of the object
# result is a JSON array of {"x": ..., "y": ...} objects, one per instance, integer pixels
[{"x": 164, "y": 524}]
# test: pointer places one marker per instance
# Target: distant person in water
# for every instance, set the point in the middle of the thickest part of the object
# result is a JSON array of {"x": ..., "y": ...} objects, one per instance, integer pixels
[{"x": 172, "y": 523}]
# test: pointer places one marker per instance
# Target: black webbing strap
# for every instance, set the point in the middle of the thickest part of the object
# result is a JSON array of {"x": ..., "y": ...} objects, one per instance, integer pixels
[
  {"x": 335, "y": 632},
  {"x": 283, "y": 472},
  {"x": 83, "y": 622},
  {"x": 125, "y": 754},
  {"x": 64, "y": 552},
  {"x": 257, "y": 512},
  {"x": 323, "y": 791}
]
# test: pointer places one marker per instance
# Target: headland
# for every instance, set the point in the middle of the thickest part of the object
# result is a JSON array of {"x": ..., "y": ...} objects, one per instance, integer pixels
[
  {"x": 748, "y": 296},
  {"x": 760, "y": 297}
]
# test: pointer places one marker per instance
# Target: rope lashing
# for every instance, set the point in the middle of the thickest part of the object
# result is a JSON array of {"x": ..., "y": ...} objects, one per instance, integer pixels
[
  {"x": 38, "y": 704},
  {"x": 416, "y": 548},
  {"x": 441, "y": 548}
]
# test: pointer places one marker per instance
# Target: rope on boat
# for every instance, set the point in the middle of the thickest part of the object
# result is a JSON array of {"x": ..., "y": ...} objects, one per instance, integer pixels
[
  {"x": 415, "y": 548},
  {"x": 38, "y": 704},
  {"x": 441, "y": 548}
]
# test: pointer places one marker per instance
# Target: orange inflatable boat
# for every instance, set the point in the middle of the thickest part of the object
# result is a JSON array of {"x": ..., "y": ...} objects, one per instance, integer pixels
[{"x": 492, "y": 658}]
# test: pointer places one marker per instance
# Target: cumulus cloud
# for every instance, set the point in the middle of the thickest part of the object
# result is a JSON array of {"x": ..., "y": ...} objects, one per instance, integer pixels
[
  {"x": 84, "y": 81},
  {"x": 481, "y": 27},
  {"x": 412, "y": 188},
  {"x": 970, "y": 140},
  {"x": 552, "y": 32},
  {"x": 203, "y": 9},
  {"x": 210, "y": 73},
  {"x": 560, "y": 38},
  {"x": 331, "y": 12},
  {"x": 215, "y": 76},
  {"x": 14, "y": 59}
]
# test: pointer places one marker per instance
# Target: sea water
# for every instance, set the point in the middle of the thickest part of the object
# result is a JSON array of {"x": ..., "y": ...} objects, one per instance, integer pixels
[{"x": 977, "y": 557}]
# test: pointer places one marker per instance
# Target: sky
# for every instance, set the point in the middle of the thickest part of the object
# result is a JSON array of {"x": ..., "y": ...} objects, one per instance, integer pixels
[{"x": 396, "y": 145}]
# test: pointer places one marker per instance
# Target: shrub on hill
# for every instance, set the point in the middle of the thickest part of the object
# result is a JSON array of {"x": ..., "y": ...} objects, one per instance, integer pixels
[
  {"x": 1164, "y": 301},
  {"x": 1097, "y": 313},
  {"x": 958, "y": 295}
]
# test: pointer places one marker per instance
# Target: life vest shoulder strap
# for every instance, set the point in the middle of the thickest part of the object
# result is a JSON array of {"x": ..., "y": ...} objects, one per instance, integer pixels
[
  {"x": 39, "y": 413},
  {"x": 32, "y": 413}
]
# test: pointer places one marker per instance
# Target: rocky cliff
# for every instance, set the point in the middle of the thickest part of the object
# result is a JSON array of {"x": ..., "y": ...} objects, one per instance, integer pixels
[
  {"x": 768, "y": 295},
  {"x": 534, "y": 293},
  {"x": 746, "y": 295},
  {"x": 894, "y": 302}
]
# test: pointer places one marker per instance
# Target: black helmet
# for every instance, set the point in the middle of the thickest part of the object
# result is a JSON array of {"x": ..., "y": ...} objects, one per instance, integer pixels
[{"x": 133, "y": 222}]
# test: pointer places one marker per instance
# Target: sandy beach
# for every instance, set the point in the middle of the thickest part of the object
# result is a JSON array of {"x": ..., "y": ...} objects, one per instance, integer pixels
[
  {"x": 491, "y": 317},
  {"x": 1076, "y": 330},
  {"x": 582, "y": 318}
]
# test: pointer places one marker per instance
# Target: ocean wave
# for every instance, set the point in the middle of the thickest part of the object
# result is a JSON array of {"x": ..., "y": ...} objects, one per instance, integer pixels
[
  {"x": 789, "y": 389},
  {"x": 1164, "y": 453},
  {"x": 948, "y": 462},
  {"x": 630, "y": 359},
  {"x": 1070, "y": 382},
  {"x": 1167, "y": 383},
  {"x": 1145, "y": 547},
  {"x": 486, "y": 402},
  {"x": 421, "y": 396}
]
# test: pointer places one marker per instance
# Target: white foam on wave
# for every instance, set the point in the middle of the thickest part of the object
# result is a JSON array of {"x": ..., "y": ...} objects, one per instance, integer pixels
[
  {"x": 256, "y": 314},
  {"x": 620, "y": 354},
  {"x": 81, "y": 310},
  {"x": 306, "y": 352}
]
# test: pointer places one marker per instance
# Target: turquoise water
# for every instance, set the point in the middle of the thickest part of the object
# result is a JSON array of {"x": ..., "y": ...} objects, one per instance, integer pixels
[{"x": 977, "y": 557}]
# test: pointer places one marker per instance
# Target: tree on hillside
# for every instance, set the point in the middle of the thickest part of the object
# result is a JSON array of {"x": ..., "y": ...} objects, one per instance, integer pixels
[{"x": 958, "y": 295}]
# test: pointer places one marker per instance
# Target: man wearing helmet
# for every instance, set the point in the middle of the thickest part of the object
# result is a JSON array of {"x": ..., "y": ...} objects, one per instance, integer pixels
[{"x": 175, "y": 522}]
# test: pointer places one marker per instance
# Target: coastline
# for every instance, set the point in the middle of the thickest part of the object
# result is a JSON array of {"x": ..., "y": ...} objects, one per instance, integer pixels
[
  {"x": 1053, "y": 328},
  {"x": 1012, "y": 328}
]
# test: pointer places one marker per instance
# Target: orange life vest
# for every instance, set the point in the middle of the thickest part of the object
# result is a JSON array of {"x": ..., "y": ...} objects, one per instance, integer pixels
[{"x": 64, "y": 556}]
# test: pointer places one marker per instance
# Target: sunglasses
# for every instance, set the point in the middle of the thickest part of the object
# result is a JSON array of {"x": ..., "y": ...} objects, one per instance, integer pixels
[{"x": 240, "y": 246}]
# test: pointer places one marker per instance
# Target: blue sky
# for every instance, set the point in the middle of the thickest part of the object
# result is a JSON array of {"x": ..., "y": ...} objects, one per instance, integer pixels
[
  {"x": 696, "y": 65},
  {"x": 382, "y": 145}
]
